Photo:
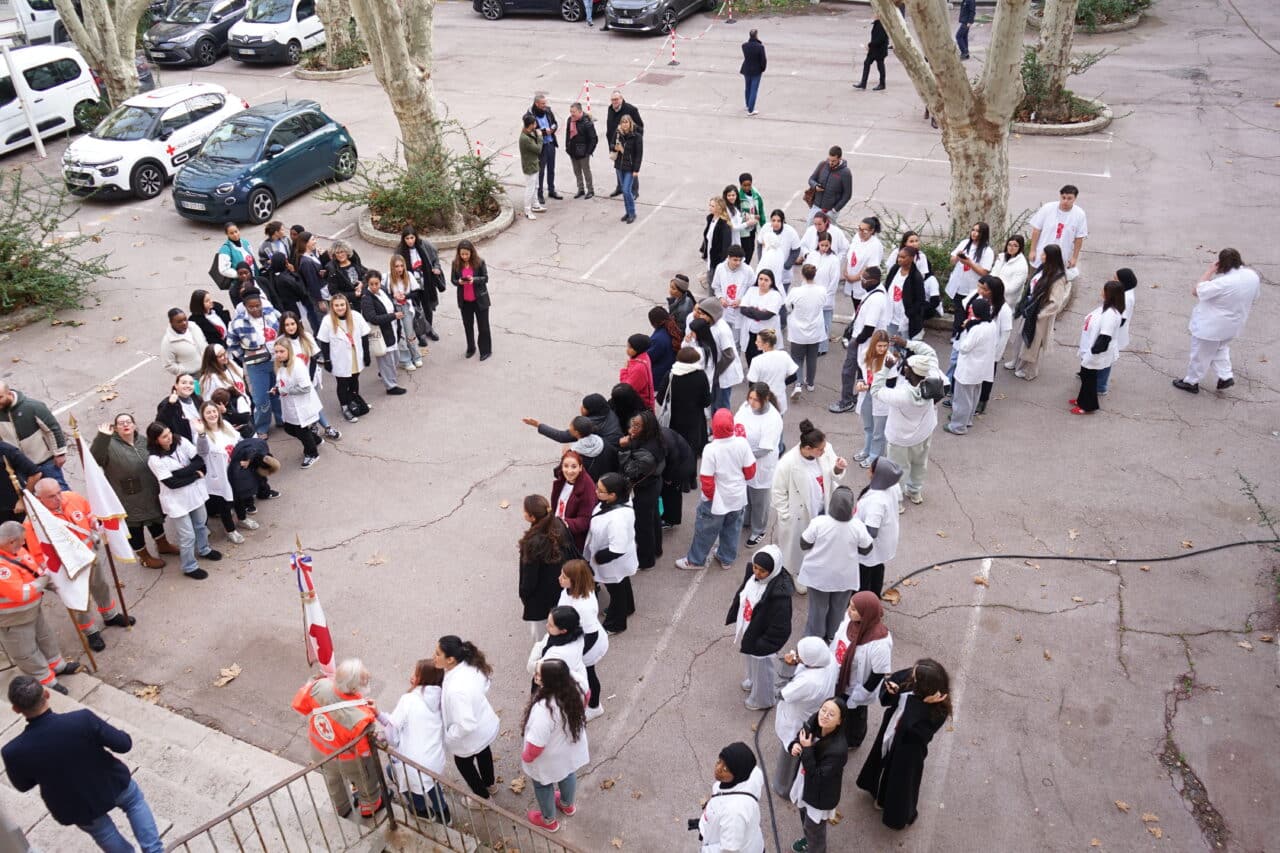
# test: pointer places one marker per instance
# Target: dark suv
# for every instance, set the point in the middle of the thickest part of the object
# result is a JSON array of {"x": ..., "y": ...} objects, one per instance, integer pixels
[{"x": 195, "y": 31}]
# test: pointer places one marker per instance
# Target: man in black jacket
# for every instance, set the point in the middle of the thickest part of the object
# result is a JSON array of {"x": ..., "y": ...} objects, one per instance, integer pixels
[
  {"x": 580, "y": 144},
  {"x": 547, "y": 128},
  {"x": 753, "y": 65},
  {"x": 617, "y": 109},
  {"x": 80, "y": 782}
]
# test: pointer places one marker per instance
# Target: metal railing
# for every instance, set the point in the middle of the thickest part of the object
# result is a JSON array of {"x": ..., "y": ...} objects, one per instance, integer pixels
[{"x": 291, "y": 815}]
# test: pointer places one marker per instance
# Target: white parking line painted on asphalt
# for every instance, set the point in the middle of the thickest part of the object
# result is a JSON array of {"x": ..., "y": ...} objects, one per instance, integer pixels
[
  {"x": 262, "y": 95},
  {"x": 285, "y": 74},
  {"x": 630, "y": 233},
  {"x": 122, "y": 374},
  {"x": 342, "y": 231}
]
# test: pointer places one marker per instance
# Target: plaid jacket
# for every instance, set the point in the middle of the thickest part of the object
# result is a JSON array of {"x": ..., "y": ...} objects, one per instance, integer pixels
[{"x": 244, "y": 339}]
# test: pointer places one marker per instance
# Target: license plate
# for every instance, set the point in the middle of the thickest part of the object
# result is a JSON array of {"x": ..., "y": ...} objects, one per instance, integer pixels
[
  {"x": 626, "y": 20},
  {"x": 244, "y": 52},
  {"x": 80, "y": 180},
  {"x": 192, "y": 205},
  {"x": 156, "y": 54}
]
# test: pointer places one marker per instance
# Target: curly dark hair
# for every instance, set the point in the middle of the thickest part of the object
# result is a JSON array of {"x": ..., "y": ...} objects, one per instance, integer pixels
[{"x": 559, "y": 690}]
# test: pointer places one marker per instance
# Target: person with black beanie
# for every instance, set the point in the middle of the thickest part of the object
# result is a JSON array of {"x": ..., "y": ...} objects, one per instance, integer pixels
[{"x": 731, "y": 818}]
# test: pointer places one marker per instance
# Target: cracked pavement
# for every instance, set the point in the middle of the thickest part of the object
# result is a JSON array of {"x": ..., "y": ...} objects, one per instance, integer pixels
[{"x": 1139, "y": 691}]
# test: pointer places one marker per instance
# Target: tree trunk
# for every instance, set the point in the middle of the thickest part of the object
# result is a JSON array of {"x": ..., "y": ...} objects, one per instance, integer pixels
[
  {"x": 336, "y": 17},
  {"x": 1057, "y": 30},
  {"x": 979, "y": 175},
  {"x": 107, "y": 38}
]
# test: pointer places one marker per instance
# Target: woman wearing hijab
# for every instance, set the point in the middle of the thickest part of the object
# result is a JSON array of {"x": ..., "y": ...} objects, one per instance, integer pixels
[
  {"x": 642, "y": 458},
  {"x": 563, "y": 641},
  {"x": 626, "y": 403},
  {"x": 544, "y": 548},
  {"x": 863, "y": 649},
  {"x": 680, "y": 302},
  {"x": 611, "y": 548},
  {"x": 976, "y": 364},
  {"x": 833, "y": 544},
  {"x": 921, "y": 703},
  {"x": 578, "y": 590},
  {"x": 813, "y": 683},
  {"x": 823, "y": 753},
  {"x": 605, "y": 422},
  {"x": 555, "y": 743},
  {"x": 806, "y": 476},
  {"x": 761, "y": 616},
  {"x": 288, "y": 293},
  {"x": 878, "y": 505},
  {"x": 573, "y": 496},
  {"x": 730, "y": 821},
  {"x": 1048, "y": 294},
  {"x": 761, "y": 423}
]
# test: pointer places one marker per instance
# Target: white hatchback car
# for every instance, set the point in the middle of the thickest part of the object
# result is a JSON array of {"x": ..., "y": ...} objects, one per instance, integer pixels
[
  {"x": 63, "y": 94},
  {"x": 142, "y": 142}
]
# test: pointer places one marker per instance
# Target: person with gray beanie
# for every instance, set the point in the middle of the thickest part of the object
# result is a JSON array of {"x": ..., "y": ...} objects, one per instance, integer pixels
[
  {"x": 728, "y": 367},
  {"x": 730, "y": 821}
]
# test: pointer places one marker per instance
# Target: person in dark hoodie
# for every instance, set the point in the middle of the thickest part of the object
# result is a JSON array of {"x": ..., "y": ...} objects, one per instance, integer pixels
[
  {"x": 680, "y": 302},
  {"x": 250, "y": 465},
  {"x": 598, "y": 456},
  {"x": 604, "y": 422},
  {"x": 690, "y": 391},
  {"x": 287, "y": 292},
  {"x": 921, "y": 702},
  {"x": 832, "y": 185},
  {"x": 823, "y": 752},
  {"x": 642, "y": 459},
  {"x": 761, "y": 616},
  {"x": 664, "y": 343}
]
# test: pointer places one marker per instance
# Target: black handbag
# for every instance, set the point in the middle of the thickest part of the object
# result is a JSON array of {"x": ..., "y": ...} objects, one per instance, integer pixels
[{"x": 219, "y": 279}]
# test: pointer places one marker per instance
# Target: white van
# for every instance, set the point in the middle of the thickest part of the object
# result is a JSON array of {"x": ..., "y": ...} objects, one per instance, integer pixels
[
  {"x": 63, "y": 94},
  {"x": 276, "y": 31},
  {"x": 39, "y": 21}
]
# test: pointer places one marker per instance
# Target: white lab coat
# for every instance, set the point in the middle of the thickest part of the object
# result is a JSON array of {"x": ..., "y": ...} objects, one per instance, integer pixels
[
  {"x": 1224, "y": 304},
  {"x": 731, "y": 818},
  {"x": 470, "y": 723}
]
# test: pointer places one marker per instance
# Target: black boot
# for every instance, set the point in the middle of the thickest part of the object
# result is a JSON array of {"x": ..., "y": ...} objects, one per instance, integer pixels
[{"x": 981, "y": 408}]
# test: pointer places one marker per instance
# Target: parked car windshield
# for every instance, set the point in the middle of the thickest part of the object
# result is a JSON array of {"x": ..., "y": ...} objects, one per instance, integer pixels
[
  {"x": 126, "y": 123},
  {"x": 196, "y": 12},
  {"x": 269, "y": 11},
  {"x": 233, "y": 141}
]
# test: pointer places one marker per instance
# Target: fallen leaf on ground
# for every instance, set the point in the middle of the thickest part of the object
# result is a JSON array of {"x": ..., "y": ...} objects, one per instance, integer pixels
[
  {"x": 504, "y": 504},
  {"x": 755, "y": 727},
  {"x": 635, "y": 795},
  {"x": 607, "y": 784},
  {"x": 1017, "y": 638},
  {"x": 1122, "y": 806},
  {"x": 376, "y": 560},
  {"x": 1156, "y": 831},
  {"x": 116, "y": 319},
  {"x": 1031, "y": 564},
  {"x": 121, "y": 339},
  {"x": 892, "y": 596},
  {"x": 1246, "y": 645},
  {"x": 942, "y": 534},
  {"x": 106, "y": 398},
  {"x": 980, "y": 580},
  {"x": 1267, "y": 638},
  {"x": 1148, "y": 817},
  {"x": 517, "y": 785},
  {"x": 911, "y": 582},
  {"x": 1187, "y": 543},
  {"x": 1077, "y": 599},
  {"x": 1093, "y": 842},
  {"x": 617, "y": 842},
  {"x": 227, "y": 675},
  {"x": 1047, "y": 656},
  {"x": 148, "y": 693},
  {"x": 1145, "y": 568},
  {"x": 1073, "y": 534}
]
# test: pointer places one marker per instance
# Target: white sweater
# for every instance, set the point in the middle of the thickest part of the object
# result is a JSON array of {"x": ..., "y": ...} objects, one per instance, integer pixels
[{"x": 469, "y": 721}]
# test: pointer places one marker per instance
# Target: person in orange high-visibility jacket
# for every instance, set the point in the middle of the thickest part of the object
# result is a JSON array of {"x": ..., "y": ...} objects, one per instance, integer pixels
[
  {"x": 74, "y": 510},
  {"x": 338, "y": 718},
  {"x": 25, "y": 636}
]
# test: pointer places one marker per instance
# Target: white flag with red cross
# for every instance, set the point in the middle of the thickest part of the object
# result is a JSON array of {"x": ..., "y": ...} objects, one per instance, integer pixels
[
  {"x": 65, "y": 556},
  {"x": 106, "y": 507},
  {"x": 315, "y": 629}
]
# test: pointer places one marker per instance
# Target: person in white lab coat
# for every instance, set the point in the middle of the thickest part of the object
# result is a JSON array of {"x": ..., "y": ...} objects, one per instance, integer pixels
[
  {"x": 415, "y": 729},
  {"x": 730, "y": 821},
  {"x": 555, "y": 743},
  {"x": 812, "y": 684},
  {"x": 1099, "y": 343},
  {"x": 976, "y": 364},
  {"x": 806, "y": 476},
  {"x": 1225, "y": 292},
  {"x": 470, "y": 724},
  {"x": 610, "y": 548}
]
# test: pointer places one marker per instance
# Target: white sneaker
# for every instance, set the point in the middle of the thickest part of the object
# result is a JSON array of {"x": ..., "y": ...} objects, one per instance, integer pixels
[
  {"x": 410, "y": 367},
  {"x": 746, "y": 685},
  {"x": 236, "y": 536},
  {"x": 595, "y": 713},
  {"x": 1020, "y": 374},
  {"x": 537, "y": 208},
  {"x": 1010, "y": 364},
  {"x": 418, "y": 363},
  {"x": 811, "y": 387},
  {"x": 795, "y": 392},
  {"x": 528, "y": 214},
  {"x": 249, "y": 524}
]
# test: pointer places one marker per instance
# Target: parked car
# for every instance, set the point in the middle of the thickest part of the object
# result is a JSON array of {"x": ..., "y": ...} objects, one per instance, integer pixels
[
  {"x": 142, "y": 142},
  {"x": 653, "y": 16},
  {"x": 39, "y": 22},
  {"x": 64, "y": 95},
  {"x": 570, "y": 10},
  {"x": 195, "y": 32},
  {"x": 146, "y": 77},
  {"x": 276, "y": 31},
  {"x": 259, "y": 158}
]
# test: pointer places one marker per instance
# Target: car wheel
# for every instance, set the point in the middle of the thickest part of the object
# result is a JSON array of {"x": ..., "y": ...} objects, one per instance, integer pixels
[
  {"x": 60, "y": 33},
  {"x": 491, "y": 9},
  {"x": 344, "y": 165},
  {"x": 294, "y": 55},
  {"x": 147, "y": 179},
  {"x": 261, "y": 205},
  {"x": 87, "y": 114},
  {"x": 206, "y": 52},
  {"x": 668, "y": 19},
  {"x": 711, "y": 6},
  {"x": 571, "y": 10}
]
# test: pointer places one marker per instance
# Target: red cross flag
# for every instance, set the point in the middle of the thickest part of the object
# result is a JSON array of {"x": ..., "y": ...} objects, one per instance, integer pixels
[
  {"x": 314, "y": 627},
  {"x": 65, "y": 556},
  {"x": 106, "y": 507}
]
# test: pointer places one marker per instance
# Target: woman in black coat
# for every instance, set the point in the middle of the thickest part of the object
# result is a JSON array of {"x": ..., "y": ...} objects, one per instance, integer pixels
[
  {"x": 423, "y": 263},
  {"x": 877, "y": 50},
  {"x": 544, "y": 549},
  {"x": 209, "y": 316},
  {"x": 823, "y": 753},
  {"x": 690, "y": 392},
  {"x": 717, "y": 234},
  {"x": 761, "y": 614},
  {"x": 906, "y": 275},
  {"x": 678, "y": 477},
  {"x": 920, "y": 697},
  {"x": 470, "y": 278},
  {"x": 344, "y": 273},
  {"x": 288, "y": 291},
  {"x": 642, "y": 459}
]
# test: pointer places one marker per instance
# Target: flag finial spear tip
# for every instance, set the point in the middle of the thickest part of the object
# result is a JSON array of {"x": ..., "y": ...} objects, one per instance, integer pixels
[{"x": 297, "y": 540}]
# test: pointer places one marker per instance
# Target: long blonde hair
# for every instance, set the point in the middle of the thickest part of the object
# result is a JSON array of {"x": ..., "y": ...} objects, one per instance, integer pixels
[
  {"x": 283, "y": 342},
  {"x": 405, "y": 280},
  {"x": 719, "y": 209},
  {"x": 873, "y": 362},
  {"x": 335, "y": 319}
]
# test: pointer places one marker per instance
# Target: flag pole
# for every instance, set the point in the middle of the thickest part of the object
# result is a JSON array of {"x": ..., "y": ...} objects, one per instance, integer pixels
[
  {"x": 111, "y": 560},
  {"x": 84, "y": 644},
  {"x": 302, "y": 601}
]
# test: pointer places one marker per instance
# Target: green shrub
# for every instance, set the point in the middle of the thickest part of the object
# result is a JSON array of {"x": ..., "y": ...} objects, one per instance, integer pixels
[
  {"x": 1091, "y": 14},
  {"x": 1043, "y": 105},
  {"x": 354, "y": 55},
  {"x": 39, "y": 264}
]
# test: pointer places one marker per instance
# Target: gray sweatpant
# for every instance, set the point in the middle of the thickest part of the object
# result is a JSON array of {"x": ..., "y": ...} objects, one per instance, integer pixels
[
  {"x": 826, "y": 610},
  {"x": 914, "y": 462},
  {"x": 762, "y": 674},
  {"x": 964, "y": 399},
  {"x": 758, "y": 509},
  {"x": 387, "y": 368}
]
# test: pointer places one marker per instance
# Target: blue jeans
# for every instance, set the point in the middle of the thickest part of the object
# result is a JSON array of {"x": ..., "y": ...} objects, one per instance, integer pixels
[
  {"x": 104, "y": 833},
  {"x": 193, "y": 537},
  {"x": 709, "y": 529},
  {"x": 962, "y": 40},
  {"x": 872, "y": 430},
  {"x": 951, "y": 369},
  {"x": 824, "y": 345},
  {"x": 546, "y": 795},
  {"x": 625, "y": 180},
  {"x": 588, "y": 8},
  {"x": 720, "y": 398},
  {"x": 753, "y": 89},
  {"x": 1104, "y": 377},
  {"x": 49, "y": 468},
  {"x": 262, "y": 379},
  {"x": 438, "y": 810}
]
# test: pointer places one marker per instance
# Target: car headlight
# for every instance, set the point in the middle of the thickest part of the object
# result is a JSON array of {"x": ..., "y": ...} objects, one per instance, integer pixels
[
  {"x": 110, "y": 171},
  {"x": 652, "y": 7},
  {"x": 223, "y": 189}
]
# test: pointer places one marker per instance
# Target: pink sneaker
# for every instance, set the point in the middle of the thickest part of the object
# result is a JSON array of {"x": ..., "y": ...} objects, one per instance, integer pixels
[
  {"x": 535, "y": 818},
  {"x": 567, "y": 811}
]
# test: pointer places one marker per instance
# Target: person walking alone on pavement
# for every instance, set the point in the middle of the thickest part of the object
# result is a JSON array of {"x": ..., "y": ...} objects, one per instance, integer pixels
[
  {"x": 968, "y": 11},
  {"x": 753, "y": 65},
  {"x": 877, "y": 50},
  {"x": 547, "y": 127},
  {"x": 530, "y": 157},
  {"x": 1225, "y": 292},
  {"x": 580, "y": 145},
  {"x": 80, "y": 782}
]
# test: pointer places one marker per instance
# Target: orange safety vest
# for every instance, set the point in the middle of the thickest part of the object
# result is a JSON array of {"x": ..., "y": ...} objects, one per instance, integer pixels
[
  {"x": 332, "y": 723},
  {"x": 18, "y": 573},
  {"x": 76, "y": 512}
]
